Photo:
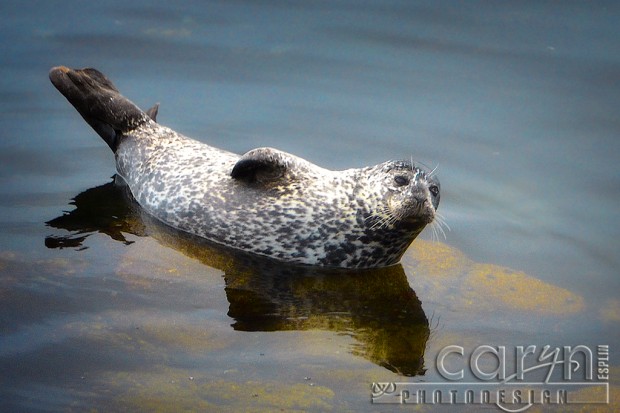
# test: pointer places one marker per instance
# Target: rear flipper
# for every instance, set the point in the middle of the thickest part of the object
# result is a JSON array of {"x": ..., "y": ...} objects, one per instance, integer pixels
[{"x": 99, "y": 102}]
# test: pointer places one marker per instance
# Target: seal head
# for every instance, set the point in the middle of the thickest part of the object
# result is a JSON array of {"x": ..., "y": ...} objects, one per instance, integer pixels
[{"x": 412, "y": 194}]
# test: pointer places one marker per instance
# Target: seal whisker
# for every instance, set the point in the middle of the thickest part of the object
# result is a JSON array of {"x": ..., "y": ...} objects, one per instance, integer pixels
[
  {"x": 434, "y": 233},
  {"x": 442, "y": 220},
  {"x": 438, "y": 224},
  {"x": 432, "y": 172},
  {"x": 384, "y": 218},
  {"x": 440, "y": 229}
]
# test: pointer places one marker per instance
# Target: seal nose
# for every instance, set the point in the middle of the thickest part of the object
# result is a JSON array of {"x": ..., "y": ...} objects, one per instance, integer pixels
[
  {"x": 421, "y": 202},
  {"x": 419, "y": 193},
  {"x": 418, "y": 198}
]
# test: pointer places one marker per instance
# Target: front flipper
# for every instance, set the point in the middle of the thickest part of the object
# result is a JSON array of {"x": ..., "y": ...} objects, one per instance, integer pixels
[{"x": 263, "y": 165}]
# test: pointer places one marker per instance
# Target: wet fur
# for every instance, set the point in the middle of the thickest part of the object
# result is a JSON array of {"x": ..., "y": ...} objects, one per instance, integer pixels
[{"x": 267, "y": 202}]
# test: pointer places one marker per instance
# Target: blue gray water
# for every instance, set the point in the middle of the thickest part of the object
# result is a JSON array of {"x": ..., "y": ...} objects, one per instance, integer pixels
[{"x": 515, "y": 103}]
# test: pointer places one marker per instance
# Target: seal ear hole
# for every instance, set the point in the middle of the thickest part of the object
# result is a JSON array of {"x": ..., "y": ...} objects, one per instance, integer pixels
[
  {"x": 401, "y": 180},
  {"x": 434, "y": 190}
]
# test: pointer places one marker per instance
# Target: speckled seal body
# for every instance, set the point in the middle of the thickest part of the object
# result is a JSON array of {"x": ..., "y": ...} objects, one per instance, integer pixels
[{"x": 266, "y": 201}]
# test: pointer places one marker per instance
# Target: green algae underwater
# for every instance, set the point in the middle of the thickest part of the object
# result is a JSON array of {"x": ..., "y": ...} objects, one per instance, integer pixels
[{"x": 185, "y": 324}]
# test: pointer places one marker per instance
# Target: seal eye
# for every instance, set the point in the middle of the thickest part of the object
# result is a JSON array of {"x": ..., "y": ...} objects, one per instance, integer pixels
[
  {"x": 401, "y": 180},
  {"x": 434, "y": 189}
]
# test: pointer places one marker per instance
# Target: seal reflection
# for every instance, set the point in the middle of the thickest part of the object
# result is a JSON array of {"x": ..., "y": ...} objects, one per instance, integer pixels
[{"x": 376, "y": 307}]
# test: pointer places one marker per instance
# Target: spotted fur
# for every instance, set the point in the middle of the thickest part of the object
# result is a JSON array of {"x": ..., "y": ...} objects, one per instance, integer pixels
[{"x": 267, "y": 202}]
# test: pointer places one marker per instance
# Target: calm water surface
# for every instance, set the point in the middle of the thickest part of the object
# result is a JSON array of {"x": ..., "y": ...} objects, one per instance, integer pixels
[{"x": 517, "y": 105}]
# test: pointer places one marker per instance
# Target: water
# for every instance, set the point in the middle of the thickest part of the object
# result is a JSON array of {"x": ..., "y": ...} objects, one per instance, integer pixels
[{"x": 515, "y": 103}]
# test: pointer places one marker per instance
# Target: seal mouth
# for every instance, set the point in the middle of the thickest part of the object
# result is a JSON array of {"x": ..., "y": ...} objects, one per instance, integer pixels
[{"x": 423, "y": 214}]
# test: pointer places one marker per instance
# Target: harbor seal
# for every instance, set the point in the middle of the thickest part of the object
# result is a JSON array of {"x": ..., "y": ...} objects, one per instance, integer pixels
[{"x": 267, "y": 202}]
